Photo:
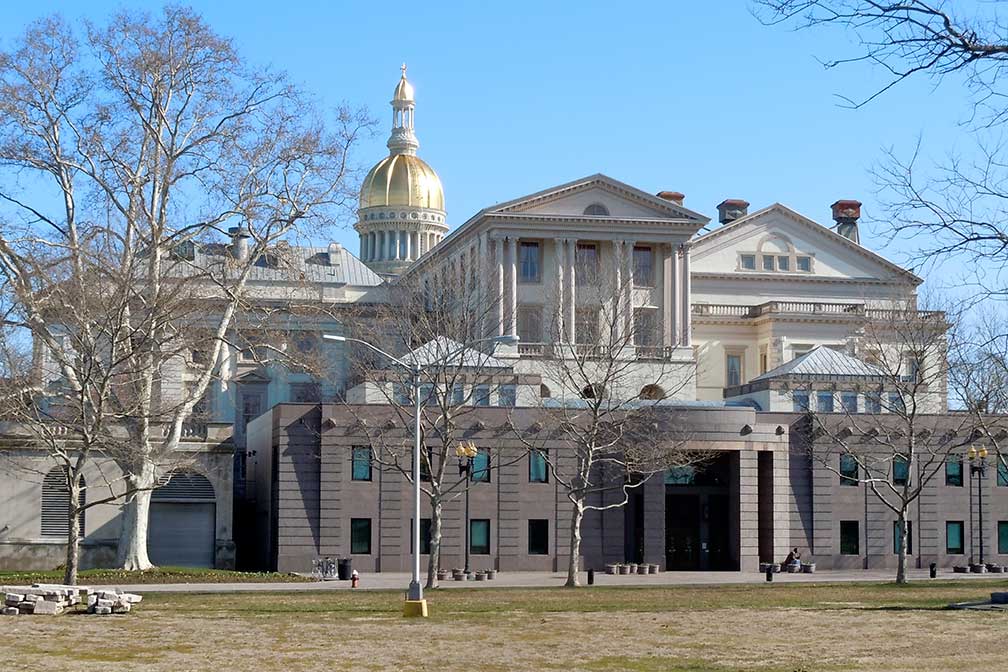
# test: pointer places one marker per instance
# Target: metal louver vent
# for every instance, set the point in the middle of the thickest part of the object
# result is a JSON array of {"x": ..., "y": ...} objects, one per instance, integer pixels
[
  {"x": 185, "y": 486},
  {"x": 56, "y": 504}
]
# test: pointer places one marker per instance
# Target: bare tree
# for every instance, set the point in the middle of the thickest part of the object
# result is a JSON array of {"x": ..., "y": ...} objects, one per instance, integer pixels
[
  {"x": 951, "y": 208},
  {"x": 901, "y": 440},
  {"x": 442, "y": 334},
  {"x": 157, "y": 139},
  {"x": 608, "y": 377}
]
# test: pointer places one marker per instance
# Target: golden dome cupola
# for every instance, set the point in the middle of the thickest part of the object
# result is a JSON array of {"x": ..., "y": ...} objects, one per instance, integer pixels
[{"x": 402, "y": 212}]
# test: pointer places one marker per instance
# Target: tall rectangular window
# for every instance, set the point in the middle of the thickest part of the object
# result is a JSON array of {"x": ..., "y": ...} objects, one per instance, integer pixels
[
  {"x": 645, "y": 326},
  {"x": 586, "y": 263},
  {"x": 482, "y": 395},
  {"x": 954, "y": 471},
  {"x": 896, "y": 403},
  {"x": 360, "y": 457},
  {"x": 458, "y": 394},
  {"x": 530, "y": 262},
  {"x": 768, "y": 262},
  {"x": 896, "y": 537},
  {"x": 538, "y": 472},
  {"x": 507, "y": 396},
  {"x": 824, "y": 402},
  {"x": 530, "y": 324},
  {"x": 425, "y": 536},
  {"x": 800, "y": 401},
  {"x": 848, "y": 400},
  {"x": 733, "y": 369},
  {"x": 481, "y": 467},
  {"x": 849, "y": 472},
  {"x": 1003, "y": 537},
  {"x": 872, "y": 402},
  {"x": 643, "y": 267},
  {"x": 784, "y": 263},
  {"x": 1002, "y": 473},
  {"x": 360, "y": 536},
  {"x": 900, "y": 470},
  {"x": 954, "y": 544},
  {"x": 850, "y": 537},
  {"x": 586, "y": 326},
  {"x": 426, "y": 461},
  {"x": 479, "y": 536},
  {"x": 538, "y": 537}
]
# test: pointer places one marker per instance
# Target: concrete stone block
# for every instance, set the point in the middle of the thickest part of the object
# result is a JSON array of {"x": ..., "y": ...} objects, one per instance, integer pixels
[
  {"x": 11, "y": 611},
  {"x": 103, "y": 611},
  {"x": 104, "y": 603},
  {"x": 48, "y": 607},
  {"x": 13, "y": 599},
  {"x": 26, "y": 607},
  {"x": 122, "y": 608}
]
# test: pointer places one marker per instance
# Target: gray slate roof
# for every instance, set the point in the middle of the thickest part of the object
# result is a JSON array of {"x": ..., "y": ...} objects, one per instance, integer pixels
[
  {"x": 297, "y": 264},
  {"x": 820, "y": 362}
]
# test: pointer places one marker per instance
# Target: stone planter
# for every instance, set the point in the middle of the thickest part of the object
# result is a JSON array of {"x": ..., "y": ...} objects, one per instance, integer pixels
[
  {"x": 623, "y": 569},
  {"x": 794, "y": 568},
  {"x": 611, "y": 569},
  {"x": 458, "y": 575},
  {"x": 995, "y": 569},
  {"x": 960, "y": 569},
  {"x": 442, "y": 575},
  {"x": 808, "y": 568},
  {"x": 481, "y": 576},
  {"x": 642, "y": 568},
  {"x": 652, "y": 568},
  {"x": 764, "y": 566},
  {"x": 632, "y": 568},
  {"x": 775, "y": 568},
  {"x": 978, "y": 569},
  {"x": 491, "y": 574}
]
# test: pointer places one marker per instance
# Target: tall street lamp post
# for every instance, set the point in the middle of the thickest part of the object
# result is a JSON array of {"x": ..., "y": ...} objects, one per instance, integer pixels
[
  {"x": 415, "y": 603},
  {"x": 466, "y": 452},
  {"x": 978, "y": 467}
]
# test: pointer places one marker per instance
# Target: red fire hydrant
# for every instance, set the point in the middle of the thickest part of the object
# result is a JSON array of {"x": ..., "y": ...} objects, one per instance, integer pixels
[{"x": 354, "y": 579}]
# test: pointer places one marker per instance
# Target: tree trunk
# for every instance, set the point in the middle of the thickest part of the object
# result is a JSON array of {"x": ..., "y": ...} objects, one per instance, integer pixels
[
  {"x": 575, "y": 545},
  {"x": 434, "y": 558},
  {"x": 73, "y": 538},
  {"x": 901, "y": 566},
  {"x": 132, "y": 554}
]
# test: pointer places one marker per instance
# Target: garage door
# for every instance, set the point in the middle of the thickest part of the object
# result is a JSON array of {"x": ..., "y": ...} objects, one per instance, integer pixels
[{"x": 182, "y": 522}]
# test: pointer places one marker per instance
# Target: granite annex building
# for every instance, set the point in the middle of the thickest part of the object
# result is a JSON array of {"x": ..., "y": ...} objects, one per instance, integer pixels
[{"x": 739, "y": 328}]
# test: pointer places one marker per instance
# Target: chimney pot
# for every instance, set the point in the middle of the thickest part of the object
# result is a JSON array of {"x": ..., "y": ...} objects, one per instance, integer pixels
[
  {"x": 239, "y": 242},
  {"x": 846, "y": 213},
  {"x": 676, "y": 197},
  {"x": 731, "y": 209},
  {"x": 334, "y": 253}
]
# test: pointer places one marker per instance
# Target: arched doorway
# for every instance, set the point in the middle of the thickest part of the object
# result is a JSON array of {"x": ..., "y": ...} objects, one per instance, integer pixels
[{"x": 182, "y": 528}]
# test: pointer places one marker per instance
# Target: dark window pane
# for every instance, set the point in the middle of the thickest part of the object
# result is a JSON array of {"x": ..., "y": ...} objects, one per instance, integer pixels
[
  {"x": 482, "y": 395},
  {"x": 954, "y": 471},
  {"x": 528, "y": 256},
  {"x": 1002, "y": 473},
  {"x": 538, "y": 472},
  {"x": 733, "y": 373},
  {"x": 425, "y": 464},
  {"x": 479, "y": 537},
  {"x": 900, "y": 470},
  {"x": 425, "y": 536},
  {"x": 824, "y": 402},
  {"x": 1003, "y": 537},
  {"x": 896, "y": 537},
  {"x": 538, "y": 537},
  {"x": 481, "y": 467},
  {"x": 848, "y": 470},
  {"x": 850, "y": 537},
  {"x": 643, "y": 267},
  {"x": 361, "y": 467},
  {"x": 849, "y": 401},
  {"x": 954, "y": 537},
  {"x": 360, "y": 536},
  {"x": 507, "y": 396},
  {"x": 800, "y": 401}
]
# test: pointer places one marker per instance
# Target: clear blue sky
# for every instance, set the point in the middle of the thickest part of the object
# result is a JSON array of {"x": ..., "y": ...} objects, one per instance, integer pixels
[{"x": 515, "y": 97}]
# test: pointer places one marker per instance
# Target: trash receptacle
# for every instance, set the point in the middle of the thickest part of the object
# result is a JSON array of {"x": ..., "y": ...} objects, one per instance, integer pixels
[
  {"x": 344, "y": 569},
  {"x": 934, "y": 569}
]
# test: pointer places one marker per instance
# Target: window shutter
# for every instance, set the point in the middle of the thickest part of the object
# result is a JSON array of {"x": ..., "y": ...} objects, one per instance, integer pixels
[{"x": 56, "y": 503}]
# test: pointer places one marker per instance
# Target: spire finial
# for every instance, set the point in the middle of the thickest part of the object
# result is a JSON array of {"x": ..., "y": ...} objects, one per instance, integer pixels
[{"x": 403, "y": 68}]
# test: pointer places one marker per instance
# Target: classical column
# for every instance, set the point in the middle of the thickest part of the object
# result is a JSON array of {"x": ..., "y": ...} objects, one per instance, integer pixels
[
  {"x": 572, "y": 289},
  {"x": 687, "y": 311},
  {"x": 619, "y": 250},
  {"x": 676, "y": 297},
  {"x": 499, "y": 260},
  {"x": 513, "y": 286},
  {"x": 558, "y": 312},
  {"x": 669, "y": 285},
  {"x": 627, "y": 290},
  {"x": 396, "y": 241}
]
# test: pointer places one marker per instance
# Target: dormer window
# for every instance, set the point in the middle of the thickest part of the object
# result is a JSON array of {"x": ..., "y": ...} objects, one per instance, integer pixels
[
  {"x": 596, "y": 210},
  {"x": 804, "y": 264}
]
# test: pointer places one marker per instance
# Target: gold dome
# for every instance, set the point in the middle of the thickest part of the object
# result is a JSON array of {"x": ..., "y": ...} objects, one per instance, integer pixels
[
  {"x": 403, "y": 90},
  {"x": 402, "y": 179}
]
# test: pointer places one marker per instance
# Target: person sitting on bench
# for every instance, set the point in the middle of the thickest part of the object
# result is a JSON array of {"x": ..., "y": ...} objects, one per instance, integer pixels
[{"x": 794, "y": 557}]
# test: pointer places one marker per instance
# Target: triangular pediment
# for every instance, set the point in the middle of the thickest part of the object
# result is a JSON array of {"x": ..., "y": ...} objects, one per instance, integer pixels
[
  {"x": 780, "y": 231},
  {"x": 252, "y": 378},
  {"x": 583, "y": 197}
]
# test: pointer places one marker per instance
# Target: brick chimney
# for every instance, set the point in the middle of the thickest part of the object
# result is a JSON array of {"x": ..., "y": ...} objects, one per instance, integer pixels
[
  {"x": 731, "y": 209},
  {"x": 239, "y": 242},
  {"x": 676, "y": 197},
  {"x": 846, "y": 214}
]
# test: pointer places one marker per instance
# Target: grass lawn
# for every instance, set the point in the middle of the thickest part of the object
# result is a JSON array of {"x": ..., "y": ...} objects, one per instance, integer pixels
[
  {"x": 779, "y": 628},
  {"x": 98, "y": 577}
]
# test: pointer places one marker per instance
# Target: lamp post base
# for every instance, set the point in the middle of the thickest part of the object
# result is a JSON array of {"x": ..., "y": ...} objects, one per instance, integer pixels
[
  {"x": 415, "y": 591},
  {"x": 415, "y": 609}
]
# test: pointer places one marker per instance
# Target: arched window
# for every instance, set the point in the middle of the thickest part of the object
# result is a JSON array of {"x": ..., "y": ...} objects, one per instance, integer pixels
[
  {"x": 597, "y": 210},
  {"x": 56, "y": 504},
  {"x": 652, "y": 392},
  {"x": 593, "y": 391},
  {"x": 544, "y": 392},
  {"x": 184, "y": 486}
]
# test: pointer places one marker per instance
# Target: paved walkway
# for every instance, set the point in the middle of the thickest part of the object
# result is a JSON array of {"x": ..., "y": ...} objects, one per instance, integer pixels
[{"x": 399, "y": 581}]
